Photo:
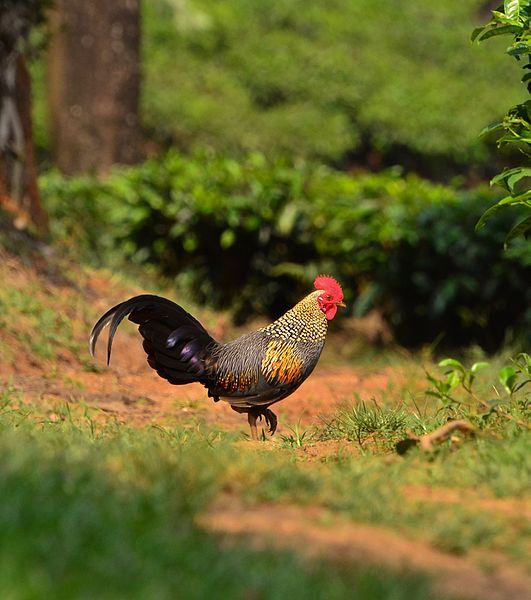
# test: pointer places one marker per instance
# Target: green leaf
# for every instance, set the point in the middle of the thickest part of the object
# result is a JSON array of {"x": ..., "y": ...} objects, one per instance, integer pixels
[
  {"x": 490, "y": 128},
  {"x": 519, "y": 230},
  {"x": 190, "y": 243},
  {"x": 502, "y": 30},
  {"x": 452, "y": 362},
  {"x": 478, "y": 366},
  {"x": 522, "y": 199},
  {"x": 514, "y": 178},
  {"x": 511, "y": 8},
  {"x": 488, "y": 214},
  {"x": 288, "y": 219},
  {"x": 476, "y": 32},
  {"x": 453, "y": 380},
  {"x": 227, "y": 239},
  {"x": 500, "y": 17},
  {"x": 507, "y": 377},
  {"x": 518, "y": 49},
  {"x": 510, "y": 177},
  {"x": 509, "y": 172}
]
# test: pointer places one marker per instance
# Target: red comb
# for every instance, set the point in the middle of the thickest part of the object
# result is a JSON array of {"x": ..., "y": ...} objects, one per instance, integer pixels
[{"x": 330, "y": 285}]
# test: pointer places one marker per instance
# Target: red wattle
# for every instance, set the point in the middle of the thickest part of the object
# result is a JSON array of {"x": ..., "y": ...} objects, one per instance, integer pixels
[{"x": 330, "y": 311}]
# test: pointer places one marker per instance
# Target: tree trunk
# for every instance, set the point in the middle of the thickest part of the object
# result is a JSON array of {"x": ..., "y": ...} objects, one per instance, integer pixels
[
  {"x": 93, "y": 84},
  {"x": 19, "y": 193},
  {"x": 31, "y": 201}
]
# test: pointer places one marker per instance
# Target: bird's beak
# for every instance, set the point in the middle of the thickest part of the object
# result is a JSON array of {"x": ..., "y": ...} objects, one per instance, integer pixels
[{"x": 341, "y": 304}]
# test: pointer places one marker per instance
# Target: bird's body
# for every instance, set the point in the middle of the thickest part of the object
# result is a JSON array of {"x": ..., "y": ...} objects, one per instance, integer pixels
[{"x": 252, "y": 372}]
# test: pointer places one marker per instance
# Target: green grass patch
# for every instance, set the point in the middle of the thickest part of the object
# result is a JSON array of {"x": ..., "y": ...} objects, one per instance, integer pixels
[
  {"x": 42, "y": 321},
  {"x": 370, "y": 424},
  {"x": 105, "y": 511},
  {"x": 157, "y": 479}
]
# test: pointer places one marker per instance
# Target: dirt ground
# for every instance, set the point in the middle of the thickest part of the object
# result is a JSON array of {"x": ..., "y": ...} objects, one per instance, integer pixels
[{"x": 320, "y": 535}]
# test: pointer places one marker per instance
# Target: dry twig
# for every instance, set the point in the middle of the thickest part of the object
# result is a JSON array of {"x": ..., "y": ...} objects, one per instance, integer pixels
[{"x": 426, "y": 442}]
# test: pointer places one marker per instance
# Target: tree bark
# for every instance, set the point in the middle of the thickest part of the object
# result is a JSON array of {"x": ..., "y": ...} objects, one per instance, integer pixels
[
  {"x": 18, "y": 174},
  {"x": 30, "y": 200},
  {"x": 94, "y": 83}
]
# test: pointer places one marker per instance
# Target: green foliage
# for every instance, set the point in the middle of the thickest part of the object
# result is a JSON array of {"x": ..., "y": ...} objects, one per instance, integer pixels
[
  {"x": 297, "y": 437},
  {"x": 380, "y": 426},
  {"x": 496, "y": 455},
  {"x": 251, "y": 235},
  {"x": 515, "y": 377},
  {"x": 77, "y": 211},
  {"x": 505, "y": 403},
  {"x": 341, "y": 81},
  {"x": 321, "y": 81},
  {"x": 513, "y": 19}
]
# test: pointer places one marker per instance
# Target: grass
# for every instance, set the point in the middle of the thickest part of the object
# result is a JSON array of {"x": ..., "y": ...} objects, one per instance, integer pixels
[
  {"x": 364, "y": 487},
  {"x": 364, "y": 422},
  {"x": 371, "y": 490},
  {"x": 42, "y": 323},
  {"x": 106, "y": 511},
  {"x": 297, "y": 437}
]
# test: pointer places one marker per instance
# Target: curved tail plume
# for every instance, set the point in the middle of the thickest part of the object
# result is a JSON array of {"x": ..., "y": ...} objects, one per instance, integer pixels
[{"x": 174, "y": 341}]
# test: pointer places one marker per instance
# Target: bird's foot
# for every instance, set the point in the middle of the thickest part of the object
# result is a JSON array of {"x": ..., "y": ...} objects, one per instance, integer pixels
[{"x": 271, "y": 420}]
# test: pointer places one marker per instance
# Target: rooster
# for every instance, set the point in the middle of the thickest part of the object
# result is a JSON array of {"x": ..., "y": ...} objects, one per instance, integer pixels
[{"x": 250, "y": 373}]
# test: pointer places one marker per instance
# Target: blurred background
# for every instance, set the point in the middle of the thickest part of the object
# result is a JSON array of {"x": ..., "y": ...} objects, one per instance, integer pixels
[{"x": 239, "y": 148}]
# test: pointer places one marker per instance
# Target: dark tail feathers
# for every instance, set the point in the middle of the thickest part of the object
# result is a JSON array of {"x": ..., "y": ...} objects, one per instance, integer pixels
[{"x": 174, "y": 341}]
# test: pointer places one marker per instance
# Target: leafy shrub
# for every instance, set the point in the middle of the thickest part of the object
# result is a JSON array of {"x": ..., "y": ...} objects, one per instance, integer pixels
[
  {"x": 252, "y": 234},
  {"x": 326, "y": 80},
  {"x": 449, "y": 280},
  {"x": 509, "y": 402},
  {"x": 513, "y": 19},
  {"x": 318, "y": 81}
]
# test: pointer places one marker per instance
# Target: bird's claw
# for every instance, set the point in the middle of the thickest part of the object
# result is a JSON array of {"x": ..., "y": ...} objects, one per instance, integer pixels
[{"x": 271, "y": 420}]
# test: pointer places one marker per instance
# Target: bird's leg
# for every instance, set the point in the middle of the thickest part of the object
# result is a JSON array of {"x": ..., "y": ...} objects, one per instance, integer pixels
[
  {"x": 271, "y": 420},
  {"x": 251, "y": 417},
  {"x": 264, "y": 413}
]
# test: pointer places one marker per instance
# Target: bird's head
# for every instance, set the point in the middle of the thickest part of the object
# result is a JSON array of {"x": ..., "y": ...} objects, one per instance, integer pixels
[{"x": 330, "y": 297}]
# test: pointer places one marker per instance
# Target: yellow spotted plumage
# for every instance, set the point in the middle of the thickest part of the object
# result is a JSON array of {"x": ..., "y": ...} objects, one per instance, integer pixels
[
  {"x": 305, "y": 322},
  {"x": 281, "y": 364}
]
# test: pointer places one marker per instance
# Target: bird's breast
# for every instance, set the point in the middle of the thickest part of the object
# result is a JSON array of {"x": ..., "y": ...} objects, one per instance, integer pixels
[{"x": 281, "y": 363}]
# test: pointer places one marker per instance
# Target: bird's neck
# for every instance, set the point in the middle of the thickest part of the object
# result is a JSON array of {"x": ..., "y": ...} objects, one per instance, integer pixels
[{"x": 305, "y": 322}]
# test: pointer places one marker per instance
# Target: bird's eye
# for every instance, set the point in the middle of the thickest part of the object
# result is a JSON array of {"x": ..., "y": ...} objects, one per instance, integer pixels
[{"x": 329, "y": 297}]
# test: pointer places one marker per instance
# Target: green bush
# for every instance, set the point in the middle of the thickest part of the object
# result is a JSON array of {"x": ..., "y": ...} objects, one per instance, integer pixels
[
  {"x": 323, "y": 80},
  {"x": 252, "y": 234},
  {"x": 513, "y": 19},
  {"x": 334, "y": 80}
]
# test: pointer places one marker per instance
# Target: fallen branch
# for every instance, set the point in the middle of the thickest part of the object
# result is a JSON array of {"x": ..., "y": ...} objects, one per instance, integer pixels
[{"x": 426, "y": 442}]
